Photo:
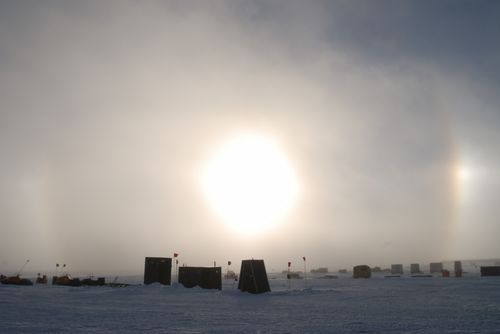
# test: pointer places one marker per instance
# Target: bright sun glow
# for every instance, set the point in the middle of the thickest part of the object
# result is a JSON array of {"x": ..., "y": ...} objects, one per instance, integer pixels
[
  {"x": 463, "y": 174},
  {"x": 250, "y": 184}
]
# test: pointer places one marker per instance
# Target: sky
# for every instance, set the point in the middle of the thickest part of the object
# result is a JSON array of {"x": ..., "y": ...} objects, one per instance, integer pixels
[{"x": 387, "y": 111}]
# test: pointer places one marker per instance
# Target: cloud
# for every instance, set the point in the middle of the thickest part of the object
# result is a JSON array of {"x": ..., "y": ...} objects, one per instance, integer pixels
[{"x": 108, "y": 110}]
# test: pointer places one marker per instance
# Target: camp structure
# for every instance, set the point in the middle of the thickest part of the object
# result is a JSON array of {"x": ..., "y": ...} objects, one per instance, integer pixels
[
  {"x": 66, "y": 280},
  {"x": 319, "y": 271},
  {"x": 458, "y": 269},
  {"x": 415, "y": 268},
  {"x": 488, "y": 271},
  {"x": 396, "y": 269},
  {"x": 204, "y": 277},
  {"x": 436, "y": 267},
  {"x": 16, "y": 280},
  {"x": 158, "y": 269},
  {"x": 361, "y": 271},
  {"x": 253, "y": 277}
]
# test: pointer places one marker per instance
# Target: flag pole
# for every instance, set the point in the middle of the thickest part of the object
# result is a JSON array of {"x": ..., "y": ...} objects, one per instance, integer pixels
[
  {"x": 288, "y": 275},
  {"x": 305, "y": 272},
  {"x": 176, "y": 266}
]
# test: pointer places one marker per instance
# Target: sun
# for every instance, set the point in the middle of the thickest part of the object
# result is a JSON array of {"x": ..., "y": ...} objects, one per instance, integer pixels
[
  {"x": 463, "y": 173},
  {"x": 250, "y": 184}
]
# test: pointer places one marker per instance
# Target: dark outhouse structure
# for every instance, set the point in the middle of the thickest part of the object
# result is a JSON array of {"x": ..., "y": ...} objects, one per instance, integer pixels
[
  {"x": 253, "y": 277},
  {"x": 158, "y": 269},
  {"x": 204, "y": 277}
]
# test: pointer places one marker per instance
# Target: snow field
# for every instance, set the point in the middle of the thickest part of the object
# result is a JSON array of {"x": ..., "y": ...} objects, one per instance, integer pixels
[{"x": 345, "y": 305}]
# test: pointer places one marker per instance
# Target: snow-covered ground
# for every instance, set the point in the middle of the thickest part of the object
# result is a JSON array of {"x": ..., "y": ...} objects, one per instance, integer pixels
[{"x": 419, "y": 305}]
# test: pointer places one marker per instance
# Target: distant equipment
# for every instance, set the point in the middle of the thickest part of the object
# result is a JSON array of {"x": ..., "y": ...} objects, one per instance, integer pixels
[
  {"x": 41, "y": 279},
  {"x": 66, "y": 280},
  {"x": 490, "y": 271},
  {"x": 158, "y": 270},
  {"x": 15, "y": 280},
  {"x": 319, "y": 271},
  {"x": 361, "y": 271},
  {"x": 397, "y": 269},
  {"x": 436, "y": 267},
  {"x": 204, "y": 277},
  {"x": 100, "y": 281},
  {"x": 414, "y": 268},
  {"x": 253, "y": 277},
  {"x": 293, "y": 275}
]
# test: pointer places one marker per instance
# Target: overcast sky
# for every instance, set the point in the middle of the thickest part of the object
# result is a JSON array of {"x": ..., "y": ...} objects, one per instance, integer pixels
[{"x": 108, "y": 110}]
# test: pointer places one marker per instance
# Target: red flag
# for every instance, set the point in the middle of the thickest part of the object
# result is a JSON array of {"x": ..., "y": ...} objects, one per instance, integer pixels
[
  {"x": 176, "y": 255},
  {"x": 304, "y": 258},
  {"x": 289, "y": 264}
]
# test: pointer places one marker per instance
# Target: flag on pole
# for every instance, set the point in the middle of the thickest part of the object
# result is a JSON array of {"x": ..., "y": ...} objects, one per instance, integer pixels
[{"x": 176, "y": 255}]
